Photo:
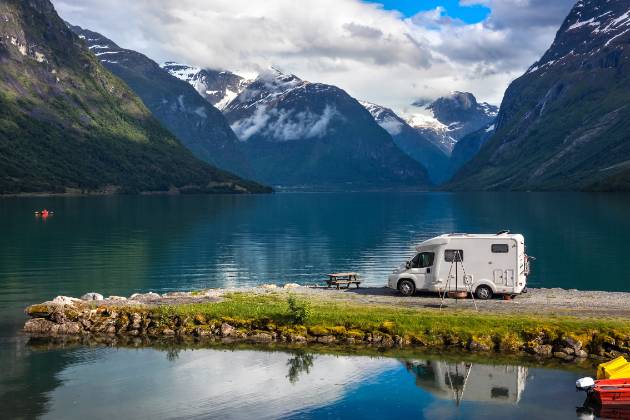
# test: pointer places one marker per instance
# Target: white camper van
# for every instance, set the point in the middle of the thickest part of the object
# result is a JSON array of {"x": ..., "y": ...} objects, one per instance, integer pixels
[{"x": 486, "y": 264}]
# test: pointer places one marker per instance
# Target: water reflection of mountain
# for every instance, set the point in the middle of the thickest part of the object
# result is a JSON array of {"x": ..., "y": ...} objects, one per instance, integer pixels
[{"x": 468, "y": 381}]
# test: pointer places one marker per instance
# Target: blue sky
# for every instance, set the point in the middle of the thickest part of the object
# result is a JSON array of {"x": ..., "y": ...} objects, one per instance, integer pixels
[{"x": 468, "y": 14}]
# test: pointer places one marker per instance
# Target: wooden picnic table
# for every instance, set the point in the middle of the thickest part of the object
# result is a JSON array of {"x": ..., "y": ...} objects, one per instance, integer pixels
[{"x": 347, "y": 279}]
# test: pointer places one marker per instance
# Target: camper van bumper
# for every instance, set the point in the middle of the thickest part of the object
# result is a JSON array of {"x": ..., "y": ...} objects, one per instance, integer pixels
[{"x": 392, "y": 281}]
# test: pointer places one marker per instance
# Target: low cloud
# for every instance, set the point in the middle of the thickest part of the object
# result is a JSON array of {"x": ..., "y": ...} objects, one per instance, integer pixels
[
  {"x": 372, "y": 53},
  {"x": 283, "y": 125}
]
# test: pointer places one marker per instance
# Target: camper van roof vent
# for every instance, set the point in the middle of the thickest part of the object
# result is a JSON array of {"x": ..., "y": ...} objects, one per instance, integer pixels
[{"x": 503, "y": 232}]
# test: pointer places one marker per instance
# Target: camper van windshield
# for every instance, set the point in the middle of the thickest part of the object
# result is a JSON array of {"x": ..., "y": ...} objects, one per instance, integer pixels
[{"x": 423, "y": 260}]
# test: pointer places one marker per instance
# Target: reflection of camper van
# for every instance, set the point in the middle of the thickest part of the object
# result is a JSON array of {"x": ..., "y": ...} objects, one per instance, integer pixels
[
  {"x": 468, "y": 382},
  {"x": 485, "y": 264}
]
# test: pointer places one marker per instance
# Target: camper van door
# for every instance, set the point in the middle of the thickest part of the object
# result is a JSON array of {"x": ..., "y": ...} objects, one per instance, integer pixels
[{"x": 422, "y": 269}]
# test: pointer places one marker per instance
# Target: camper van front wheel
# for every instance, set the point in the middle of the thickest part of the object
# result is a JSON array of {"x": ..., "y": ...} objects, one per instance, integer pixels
[
  {"x": 406, "y": 287},
  {"x": 483, "y": 293}
]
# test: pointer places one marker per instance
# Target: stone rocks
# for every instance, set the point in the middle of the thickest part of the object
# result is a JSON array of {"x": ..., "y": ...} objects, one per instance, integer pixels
[
  {"x": 92, "y": 296},
  {"x": 478, "y": 345},
  {"x": 136, "y": 321},
  {"x": 291, "y": 286},
  {"x": 268, "y": 286},
  {"x": 141, "y": 297},
  {"x": 260, "y": 337},
  {"x": 227, "y": 330},
  {"x": 571, "y": 343},
  {"x": 65, "y": 300},
  {"x": 562, "y": 355},
  {"x": 581, "y": 354},
  {"x": 543, "y": 350},
  {"x": 47, "y": 327},
  {"x": 116, "y": 298}
]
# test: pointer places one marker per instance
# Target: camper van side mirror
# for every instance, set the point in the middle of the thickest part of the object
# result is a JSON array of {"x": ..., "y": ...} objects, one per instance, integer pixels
[{"x": 408, "y": 265}]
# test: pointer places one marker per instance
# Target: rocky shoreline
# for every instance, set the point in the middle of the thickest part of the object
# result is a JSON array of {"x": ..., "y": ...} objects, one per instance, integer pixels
[{"x": 145, "y": 317}]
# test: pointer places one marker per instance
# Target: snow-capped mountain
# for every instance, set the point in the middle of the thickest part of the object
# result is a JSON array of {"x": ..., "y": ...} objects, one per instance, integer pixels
[
  {"x": 303, "y": 133},
  {"x": 565, "y": 123},
  {"x": 200, "y": 127},
  {"x": 454, "y": 117},
  {"x": 413, "y": 142},
  {"x": 219, "y": 87}
]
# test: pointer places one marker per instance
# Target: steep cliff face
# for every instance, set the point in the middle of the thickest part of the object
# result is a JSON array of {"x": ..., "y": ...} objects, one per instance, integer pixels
[
  {"x": 565, "y": 124},
  {"x": 175, "y": 103},
  {"x": 413, "y": 142},
  {"x": 68, "y": 123}
]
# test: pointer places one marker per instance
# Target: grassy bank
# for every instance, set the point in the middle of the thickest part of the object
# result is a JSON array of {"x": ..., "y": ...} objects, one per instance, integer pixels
[{"x": 507, "y": 333}]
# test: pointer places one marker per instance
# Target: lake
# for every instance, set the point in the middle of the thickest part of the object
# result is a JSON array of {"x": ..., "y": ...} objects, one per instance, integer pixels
[{"x": 122, "y": 245}]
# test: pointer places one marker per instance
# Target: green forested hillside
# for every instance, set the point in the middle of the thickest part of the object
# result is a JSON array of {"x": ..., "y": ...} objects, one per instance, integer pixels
[{"x": 67, "y": 123}]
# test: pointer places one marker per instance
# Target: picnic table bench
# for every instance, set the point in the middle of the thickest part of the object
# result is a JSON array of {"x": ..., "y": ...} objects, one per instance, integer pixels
[{"x": 339, "y": 279}]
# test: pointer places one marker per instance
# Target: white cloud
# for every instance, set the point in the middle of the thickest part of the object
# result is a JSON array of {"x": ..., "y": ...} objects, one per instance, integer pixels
[
  {"x": 372, "y": 53},
  {"x": 283, "y": 125}
]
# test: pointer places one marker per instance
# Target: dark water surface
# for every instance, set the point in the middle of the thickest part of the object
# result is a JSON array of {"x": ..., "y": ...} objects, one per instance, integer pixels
[{"x": 120, "y": 245}]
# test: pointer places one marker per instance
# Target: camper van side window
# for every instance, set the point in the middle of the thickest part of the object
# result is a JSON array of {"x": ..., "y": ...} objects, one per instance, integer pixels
[
  {"x": 452, "y": 255},
  {"x": 500, "y": 248}
]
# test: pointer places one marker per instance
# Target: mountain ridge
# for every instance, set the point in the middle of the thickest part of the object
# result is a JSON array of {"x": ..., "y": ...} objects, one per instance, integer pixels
[
  {"x": 564, "y": 124},
  {"x": 175, "y": 103},
  {"x": 68, "y": 125}
]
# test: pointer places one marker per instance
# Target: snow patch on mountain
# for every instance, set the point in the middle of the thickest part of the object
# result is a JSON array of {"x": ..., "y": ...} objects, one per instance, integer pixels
[{"x": 384, "y": 117}]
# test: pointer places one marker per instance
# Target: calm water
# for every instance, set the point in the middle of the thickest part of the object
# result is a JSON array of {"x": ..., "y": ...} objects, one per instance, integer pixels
[{"x": 120, "y": 245}]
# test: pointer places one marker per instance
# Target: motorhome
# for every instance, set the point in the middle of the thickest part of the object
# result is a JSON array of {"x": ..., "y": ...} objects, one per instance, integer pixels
[{"x": 483, "y": 264}]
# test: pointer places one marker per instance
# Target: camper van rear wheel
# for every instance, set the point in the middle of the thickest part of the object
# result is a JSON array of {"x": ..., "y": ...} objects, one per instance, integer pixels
[
  {"x": 483, "y": 293},
  {"x": 406, "y": 287}
]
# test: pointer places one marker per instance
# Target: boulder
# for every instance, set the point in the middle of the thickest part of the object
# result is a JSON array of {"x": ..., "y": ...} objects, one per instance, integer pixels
[
  {"x": 291, "y": 286},
  {"x": 572, "y": 343},
  {"x": 92, "y": 296},
  {"x": 45, "y": 326},
  {"x": 136, "y": 321},
  {"x": 117, "y": 298},
  {"x": 562, "y": 355},
  {"x": 327, "y": 339},
  {"x": 544, "y": 350},
  {"x": 39, "y": 326},
  {"x": 581, "y": 354},
  {"x": 168, "y": 331},
  {"x": 478, "y": 345},
  {"x": 66, "y": 300},
  {"x": 260, "y": 337},
  {"x": 296, "y": 338},
  {"x": 145, "y": 296},
  {"x": 227, "y": 330}
]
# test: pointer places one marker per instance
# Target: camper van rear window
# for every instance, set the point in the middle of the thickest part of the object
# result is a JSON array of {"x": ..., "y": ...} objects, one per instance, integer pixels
[
  {"x": 452, "y": 255},
  {"x": 500, "y": 248}
]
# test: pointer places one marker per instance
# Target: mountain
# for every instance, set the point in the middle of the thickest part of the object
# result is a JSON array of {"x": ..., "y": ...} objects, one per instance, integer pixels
[
  {"x": 565, "y": 123},
  {"x": 468, "y": 147},
  {"x": 412, "y": 142},
  {"x": 454, "y": 117},
  {"x": 196, "y": 123},
  {"x": 68, "y": 124},
  {"x": 219, "y": 87},
  {"x": 300, "y": 133}
]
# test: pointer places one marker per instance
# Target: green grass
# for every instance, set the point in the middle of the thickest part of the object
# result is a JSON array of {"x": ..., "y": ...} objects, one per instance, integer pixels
[{"x": 424, "y": 325}]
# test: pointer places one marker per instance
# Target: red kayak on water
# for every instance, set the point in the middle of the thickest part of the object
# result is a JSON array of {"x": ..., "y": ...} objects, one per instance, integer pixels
[{"x": 611, "y": 391}]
